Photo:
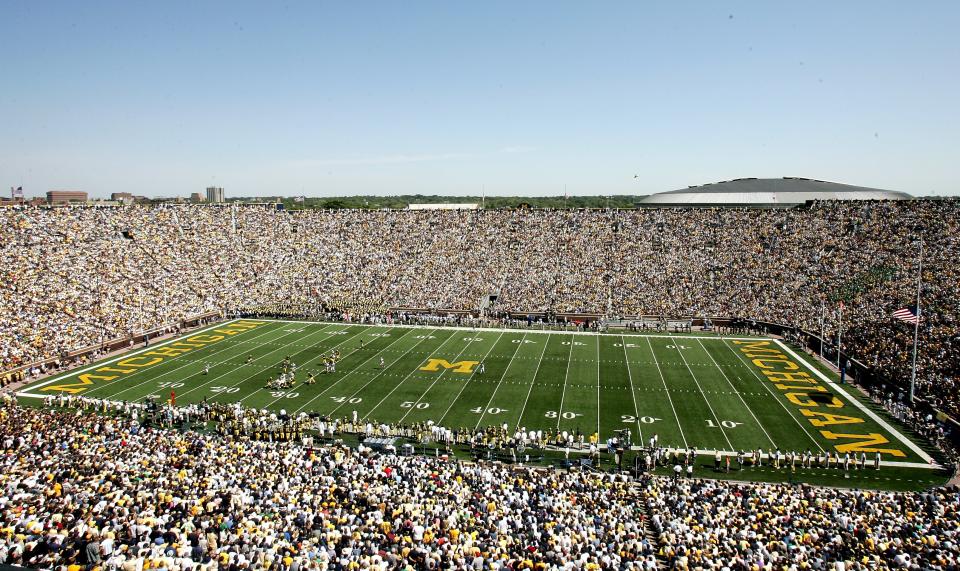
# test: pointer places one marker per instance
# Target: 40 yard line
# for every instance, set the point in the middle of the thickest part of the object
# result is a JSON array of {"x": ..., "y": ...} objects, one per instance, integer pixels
[{"x": 533, "y": 380}]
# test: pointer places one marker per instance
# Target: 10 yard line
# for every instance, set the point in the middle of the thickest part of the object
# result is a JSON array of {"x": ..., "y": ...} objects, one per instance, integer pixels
[{"x": 705, "y": 399}]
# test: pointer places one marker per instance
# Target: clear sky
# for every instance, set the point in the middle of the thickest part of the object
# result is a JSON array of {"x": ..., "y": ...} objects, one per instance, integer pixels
[{"x": 326, "y": 98}]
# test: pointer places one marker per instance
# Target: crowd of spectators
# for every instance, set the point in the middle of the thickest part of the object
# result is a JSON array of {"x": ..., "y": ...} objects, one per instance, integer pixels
[
  {"x": 89, "y": 491},
  {"x": 83, "y": 491},
  {"x": 73, "y": 277}
]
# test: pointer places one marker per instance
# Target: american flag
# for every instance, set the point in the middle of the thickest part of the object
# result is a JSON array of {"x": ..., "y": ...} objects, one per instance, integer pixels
[{"x": 910, "y": 314}]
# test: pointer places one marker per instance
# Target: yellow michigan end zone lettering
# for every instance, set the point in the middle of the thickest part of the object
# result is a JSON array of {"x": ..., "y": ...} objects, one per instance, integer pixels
[
  {"x": 434, "y": 365},
  {"x": 157, "y": 355},
  {"x": 85, "y": 379}
]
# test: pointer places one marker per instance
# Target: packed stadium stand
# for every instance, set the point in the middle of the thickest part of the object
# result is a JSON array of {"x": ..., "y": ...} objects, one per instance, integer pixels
[{"x": 87, "y": 491}]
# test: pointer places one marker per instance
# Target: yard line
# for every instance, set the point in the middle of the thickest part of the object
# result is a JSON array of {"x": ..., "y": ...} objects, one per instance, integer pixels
[
  {"x": 267, "y": 354},
  {"x": 186, "y": 363},
  {"x": 773, "y": 394},
  {"x": 404, "y": 379},
  {"x": 436, "y": 380},
  {"x": 338, "y": 381},
  {"x": 722, "y": 372},
  {"x": 500, "y": 382},
  {"x": 563, "y": 395},
  {"x": 715, "y": 417},
  {"x": 598, "y": 388},
  {"x": 347, "y": 340},
  {"x": 667, "y": 390},
  {"x": 470, "y": 379},
  {"x": 633, "y": 392},
  {"x": 533, "y": 380}
]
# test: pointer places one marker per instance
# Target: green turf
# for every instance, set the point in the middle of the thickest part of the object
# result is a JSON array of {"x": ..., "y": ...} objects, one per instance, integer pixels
[{"x": 699, "y": 391}]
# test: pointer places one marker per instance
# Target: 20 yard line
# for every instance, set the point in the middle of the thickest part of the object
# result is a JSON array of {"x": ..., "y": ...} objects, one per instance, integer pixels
[
  {"x": 667, "y": 390},
  {"x": 533, "y": 380},
  {"x": 633, "y": 392},
  {"x": 186, "y": 363}
]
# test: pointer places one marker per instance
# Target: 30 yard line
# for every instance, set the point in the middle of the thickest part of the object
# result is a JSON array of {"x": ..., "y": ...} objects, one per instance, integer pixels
[
  {"x": 772, "y": 394},
  {"x": 633, "y": 392},
  {"x": 734, "y": 389},
  {"x": 666, "y": 390},
  {"x": 454, "y": 399},
  {"x": 533, "y": 380},
  {"x": 260, "y": 370},
  {"x": 564, "y": 394}
]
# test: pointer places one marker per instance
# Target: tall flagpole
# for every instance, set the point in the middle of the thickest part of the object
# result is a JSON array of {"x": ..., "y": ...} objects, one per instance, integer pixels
[
  {"x": 839, "y": 333},
  {"x": 916, "y": 326}
]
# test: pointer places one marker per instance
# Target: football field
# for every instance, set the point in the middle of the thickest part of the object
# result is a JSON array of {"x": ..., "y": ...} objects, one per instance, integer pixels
[{"x": 702, "y": 391}]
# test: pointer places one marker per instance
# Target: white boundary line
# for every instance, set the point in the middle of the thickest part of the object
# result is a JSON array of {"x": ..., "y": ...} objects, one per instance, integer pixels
[
  {"x": 566, "y": 376},
  {"x": 742, "y": 360},
  {"x": 529, "y": 330},
  {"x": 99, "y": 364},
  {"x": 856, "y": 402}
]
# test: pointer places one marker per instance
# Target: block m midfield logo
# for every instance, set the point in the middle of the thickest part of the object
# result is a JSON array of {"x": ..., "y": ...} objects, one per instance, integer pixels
[{"x": 434, "y": 365}]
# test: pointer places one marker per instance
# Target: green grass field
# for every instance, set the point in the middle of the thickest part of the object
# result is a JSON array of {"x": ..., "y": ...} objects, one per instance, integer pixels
[{"x": 701, "y": 391}]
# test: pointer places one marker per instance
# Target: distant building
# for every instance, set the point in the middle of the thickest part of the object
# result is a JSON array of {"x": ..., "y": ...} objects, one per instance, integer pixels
[
  {"x": 197, "y": 197},
  {"x": 444, "y": 206},
  {"x": 65, "y": 196},
  {"x": 214, "y": 194},
  {"x": 122, "y": 197},
  {"x": 783, "y": 192}
]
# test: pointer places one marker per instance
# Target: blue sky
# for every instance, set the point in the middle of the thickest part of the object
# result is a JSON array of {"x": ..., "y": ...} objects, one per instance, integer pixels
[{"x": 323, "y": 98}]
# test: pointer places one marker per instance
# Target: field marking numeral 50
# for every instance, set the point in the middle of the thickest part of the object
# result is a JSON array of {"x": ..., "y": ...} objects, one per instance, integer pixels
[
  {"x": 630, "y": 419},
  {"x": 723, "y": 423},
  {"x": 412, "y": 404},
  {"x": 566, "y": 414}
]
